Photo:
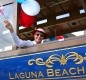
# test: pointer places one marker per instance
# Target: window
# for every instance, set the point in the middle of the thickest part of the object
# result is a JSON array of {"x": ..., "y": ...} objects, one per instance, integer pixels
[
  {"x": 62, "y": 16},
  {"x": 82, "y": 11},
  {"x": 6, "y": 41},
  {"x": 21, "y": 27},
  {"x": 42, "y": 21}
]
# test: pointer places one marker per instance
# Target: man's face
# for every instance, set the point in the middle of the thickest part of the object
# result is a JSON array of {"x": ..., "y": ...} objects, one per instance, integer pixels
[{"x": 38, "y": 37}]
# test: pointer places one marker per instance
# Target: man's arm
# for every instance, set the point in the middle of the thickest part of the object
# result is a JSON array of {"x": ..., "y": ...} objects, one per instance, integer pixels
[{"x": 18, "y": 42}]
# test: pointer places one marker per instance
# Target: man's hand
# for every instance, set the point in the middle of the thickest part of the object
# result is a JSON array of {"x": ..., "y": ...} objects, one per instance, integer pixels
[{"x": 9, "y": 26}]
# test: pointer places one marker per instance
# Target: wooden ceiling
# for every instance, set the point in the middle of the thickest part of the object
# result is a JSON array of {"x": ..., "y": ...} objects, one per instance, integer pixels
[{"x": 52, "y": 8}]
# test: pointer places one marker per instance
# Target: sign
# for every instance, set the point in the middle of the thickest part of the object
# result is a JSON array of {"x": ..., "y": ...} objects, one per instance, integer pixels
[{"x": 56, "y": 64}]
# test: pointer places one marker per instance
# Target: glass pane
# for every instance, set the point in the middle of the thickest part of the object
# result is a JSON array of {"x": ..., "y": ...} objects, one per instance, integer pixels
[{"x": 5, "y": 36}]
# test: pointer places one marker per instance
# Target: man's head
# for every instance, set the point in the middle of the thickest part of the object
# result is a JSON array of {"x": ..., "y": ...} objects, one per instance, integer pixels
[{"x": 39, "y": 35}]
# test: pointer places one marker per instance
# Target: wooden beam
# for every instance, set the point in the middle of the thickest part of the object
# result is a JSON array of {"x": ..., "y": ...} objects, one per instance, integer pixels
[
  {"x": 46, "y": 46},
  {"x": 53, "y": 22},
  {"x": 25, "y": 30},
  {"x": 83, "y": 2},
  {"x": 64, "y": 20}
]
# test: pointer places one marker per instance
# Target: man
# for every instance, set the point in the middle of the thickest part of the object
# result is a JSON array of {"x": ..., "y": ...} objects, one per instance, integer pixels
[{"x": 39, "y": 36}]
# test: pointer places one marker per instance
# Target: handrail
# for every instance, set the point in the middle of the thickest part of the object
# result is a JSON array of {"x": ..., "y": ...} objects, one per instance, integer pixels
[{"x": 68, "y": 42}]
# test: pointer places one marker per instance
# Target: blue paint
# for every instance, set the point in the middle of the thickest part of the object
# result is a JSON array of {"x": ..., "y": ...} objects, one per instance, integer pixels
[
  {"x": 11, "y": 67},
  {"x": 20, "y": 1}
]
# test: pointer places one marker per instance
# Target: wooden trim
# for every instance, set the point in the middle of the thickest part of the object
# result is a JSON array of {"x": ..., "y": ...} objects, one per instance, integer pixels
[
  {"x": 14, "y": 21},
  {"x": 46, "y": 46}
]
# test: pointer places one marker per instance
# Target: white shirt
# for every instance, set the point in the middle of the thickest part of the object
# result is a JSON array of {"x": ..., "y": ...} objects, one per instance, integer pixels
[{"x": 22, "y": 43}]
